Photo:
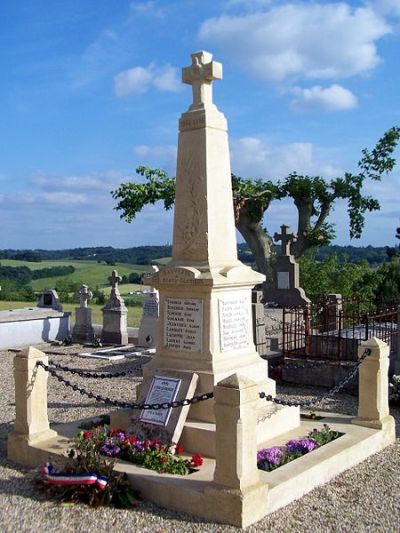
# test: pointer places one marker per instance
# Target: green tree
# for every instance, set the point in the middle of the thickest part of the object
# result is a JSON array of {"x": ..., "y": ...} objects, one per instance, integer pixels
[
  {"x": 388, "y": 286},
  {"x": 336, "y": 274},
  {"x": 314, "y": 198}
]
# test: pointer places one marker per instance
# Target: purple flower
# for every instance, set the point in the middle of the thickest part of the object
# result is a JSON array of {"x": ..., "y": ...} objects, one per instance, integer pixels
[
  {"x": 301, "y": 445},
  {"x": 139, "y": 446},
  {"x": 271, "y": 455},
  {"x": 110, "y": 448}
]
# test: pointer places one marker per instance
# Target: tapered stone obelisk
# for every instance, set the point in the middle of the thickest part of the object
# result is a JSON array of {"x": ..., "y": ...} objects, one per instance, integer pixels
[{"x": 205, "y": 291}]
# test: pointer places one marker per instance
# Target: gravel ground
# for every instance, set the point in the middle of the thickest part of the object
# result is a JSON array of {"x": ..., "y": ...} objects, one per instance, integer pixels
[{"x": 365, "y": 498}]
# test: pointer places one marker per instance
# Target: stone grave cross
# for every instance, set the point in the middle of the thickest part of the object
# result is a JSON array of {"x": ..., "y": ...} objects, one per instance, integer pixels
[
  {"x": 114, "y": 279},
  {"x": 286, "y": 238},
  {"x": 84, "y": 295},
  {"x": 199, "y": 75}
]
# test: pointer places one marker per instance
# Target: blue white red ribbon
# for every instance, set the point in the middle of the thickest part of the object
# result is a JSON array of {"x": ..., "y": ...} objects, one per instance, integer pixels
[{"x": 63, "y": 478}]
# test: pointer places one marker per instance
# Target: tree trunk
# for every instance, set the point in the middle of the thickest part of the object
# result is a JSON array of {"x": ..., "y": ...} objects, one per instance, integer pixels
[
  {"x": 304, "y": 208},
  {"x": 259, "y": 242}
]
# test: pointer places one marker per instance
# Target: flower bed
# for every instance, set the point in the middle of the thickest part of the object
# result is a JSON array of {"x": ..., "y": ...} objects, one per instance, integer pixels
[
  {"x": 151, "y": 454},
  {"x": 88, "y": 474},
  {"x": 269, "y": 459}
]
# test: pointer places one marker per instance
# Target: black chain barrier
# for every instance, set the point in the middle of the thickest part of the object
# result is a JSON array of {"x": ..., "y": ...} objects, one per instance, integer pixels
[
  {"x": 95, "y": 375},
  {"x": 117, "y": 403},
  {"x": 321, "y": 397},
  {"x": 205, "y": 396}
]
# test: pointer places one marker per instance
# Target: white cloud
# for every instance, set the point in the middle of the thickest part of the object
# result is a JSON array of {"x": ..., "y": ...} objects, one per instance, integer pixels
[
  {"x": 91, "y": 182},
  {"x": 162, "y": 156},
  {"x": 254, "y": 157},
  {"x": 51, "y": 198},
  {"x": 385, "y": 7},
  {"x": 133, "y": 81},
  {"x": 147, "y": 8},
  {"x": 300, "y": 40},
  {"x": 331, "y": 98},
  {"x": 139, "y": 80}
]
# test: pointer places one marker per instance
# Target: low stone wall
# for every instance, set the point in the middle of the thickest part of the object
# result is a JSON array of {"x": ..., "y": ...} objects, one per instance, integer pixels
[
  {"x": 325, "y": 373},
  {"x": 21, "y": 327}
]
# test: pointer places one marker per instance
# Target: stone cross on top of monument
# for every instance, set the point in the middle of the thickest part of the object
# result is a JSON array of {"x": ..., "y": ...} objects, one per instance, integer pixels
[
  {"x": 84, "y": 295},
  {"x": 286, "y": 238},
  {"x": 114, "y": 279},
  {"x": 199, "y": 75}
]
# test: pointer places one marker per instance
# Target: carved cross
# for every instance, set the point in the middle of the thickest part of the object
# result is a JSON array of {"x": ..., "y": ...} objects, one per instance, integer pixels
[
  {"x": 286, "y": 238},
  {"x": 84, "y": 295},
  {"x": 199, "y": 75},
  {"x": 114, "y": 279}
]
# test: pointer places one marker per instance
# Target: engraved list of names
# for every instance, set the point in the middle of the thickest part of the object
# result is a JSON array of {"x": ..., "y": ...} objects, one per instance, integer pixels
[
  {"x": 234, "y": 321},
  {"x": 183, "y": 325}
]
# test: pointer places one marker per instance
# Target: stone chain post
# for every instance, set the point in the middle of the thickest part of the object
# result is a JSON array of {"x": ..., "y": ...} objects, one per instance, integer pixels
[
  {"x": 238, "y": 490},
  {"x": 31, "y": 420},
  {"x": 373, "y": 401}
]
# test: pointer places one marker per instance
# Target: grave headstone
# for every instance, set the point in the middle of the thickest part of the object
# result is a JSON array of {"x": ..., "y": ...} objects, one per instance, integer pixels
[
  {"x": 83, "y": 329},
  {"x": 49, "y": 300},
  {"x": 285, "y": 290},
  {"x": 257, "y": 308},
  {"x": 148, "y": 328},
  {"x": 115, "y": 323}
]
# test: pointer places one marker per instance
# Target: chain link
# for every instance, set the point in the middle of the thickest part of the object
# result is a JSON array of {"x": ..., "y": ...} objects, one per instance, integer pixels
[
  {"x": 95, "y": 375},
  {"x": 202, "y": 397},
  {"x": 321, "y": 397},
  {"x": 127, "y": 405}
]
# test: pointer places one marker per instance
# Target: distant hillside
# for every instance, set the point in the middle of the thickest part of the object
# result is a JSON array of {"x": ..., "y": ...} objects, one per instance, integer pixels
[{"x": 144, "y": 255}]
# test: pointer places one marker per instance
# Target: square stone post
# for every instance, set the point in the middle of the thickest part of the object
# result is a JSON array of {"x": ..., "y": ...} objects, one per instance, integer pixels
[
  {"x": 239, "y": 494},
  {"x": 31, "y": 420},
  {"x": 373, "y": 400}
]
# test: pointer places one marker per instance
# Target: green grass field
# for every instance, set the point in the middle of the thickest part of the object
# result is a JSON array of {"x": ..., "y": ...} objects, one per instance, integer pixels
[
  {"x": 90, "y": 272},
  {"x": 134, "y": 313}
]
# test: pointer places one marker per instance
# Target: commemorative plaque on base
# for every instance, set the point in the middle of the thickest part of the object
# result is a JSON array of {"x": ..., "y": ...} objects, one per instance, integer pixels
[{"x": 165, "y": 425}]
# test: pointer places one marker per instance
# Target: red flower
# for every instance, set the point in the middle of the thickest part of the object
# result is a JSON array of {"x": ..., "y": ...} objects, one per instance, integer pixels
[
  {"x": 179, "y": 449},
  {"x": 111, "y": 432},
  {"x": 197, "y": 460},
  {"x": 87, "y": 435},
  {"x": 163, "y": 459}
]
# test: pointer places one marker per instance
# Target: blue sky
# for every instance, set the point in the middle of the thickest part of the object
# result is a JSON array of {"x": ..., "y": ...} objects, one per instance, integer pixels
[{"x": 91, "y": 89}]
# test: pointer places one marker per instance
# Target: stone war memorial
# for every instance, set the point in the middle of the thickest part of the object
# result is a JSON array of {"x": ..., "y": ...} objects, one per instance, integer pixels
[{"x": 205, "y": 352}]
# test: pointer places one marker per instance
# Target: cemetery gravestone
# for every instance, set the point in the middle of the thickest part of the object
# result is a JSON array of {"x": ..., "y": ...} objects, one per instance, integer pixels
[
  {"x": 83, "y": 329},
  {"x": 286, "y": 290},
  {"x": 148, "y": 328},
  {"x": 49, "y": 300},
  {"x": 115, "y": 323},
  {"x": 257, "y": 308}
]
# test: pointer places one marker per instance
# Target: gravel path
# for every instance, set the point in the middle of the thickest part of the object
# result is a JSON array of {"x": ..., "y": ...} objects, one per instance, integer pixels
[{"x": 365, "y": 498}]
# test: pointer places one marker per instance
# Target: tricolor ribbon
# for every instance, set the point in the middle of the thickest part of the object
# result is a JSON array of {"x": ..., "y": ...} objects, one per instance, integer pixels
[{"x": 63, "y": 478}]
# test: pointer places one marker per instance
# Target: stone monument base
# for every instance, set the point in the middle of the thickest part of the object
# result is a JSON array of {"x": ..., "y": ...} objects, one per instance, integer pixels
[{"x": 197, "y": 493}]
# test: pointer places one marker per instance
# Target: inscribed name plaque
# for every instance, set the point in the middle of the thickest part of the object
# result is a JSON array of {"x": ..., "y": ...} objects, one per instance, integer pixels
[
  {"x": 150, "y": 307},
  {"x": 283, "y": 280},
  {"x": 167, "y": 424},
  {"x": 183, "y": 324},
  {"x": 234, "y": 321},
  {"x": 162, "y": 390}
]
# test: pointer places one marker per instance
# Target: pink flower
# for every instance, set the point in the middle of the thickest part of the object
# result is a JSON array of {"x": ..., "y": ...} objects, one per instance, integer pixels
[{"x": 87, "y": 435}]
